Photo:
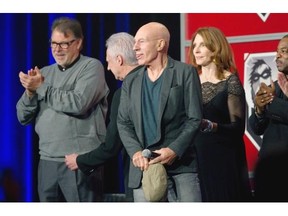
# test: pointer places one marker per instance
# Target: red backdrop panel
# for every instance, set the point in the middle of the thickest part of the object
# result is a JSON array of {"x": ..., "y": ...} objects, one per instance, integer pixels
[
  {"x": 237, "y": 24},
  {"x": 240, "y": 24}
]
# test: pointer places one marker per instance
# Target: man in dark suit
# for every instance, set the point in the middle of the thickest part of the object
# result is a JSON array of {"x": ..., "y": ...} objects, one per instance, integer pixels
[
  {"x": 271, "y": 107},
  {"x": 270, "y": 119},
  {"x": 121, "y": 61},
  {"x": 160, "y": 109}
]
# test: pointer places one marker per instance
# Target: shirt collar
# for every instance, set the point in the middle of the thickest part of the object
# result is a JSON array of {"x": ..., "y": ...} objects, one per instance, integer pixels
[{"x": 69, "y": 66}]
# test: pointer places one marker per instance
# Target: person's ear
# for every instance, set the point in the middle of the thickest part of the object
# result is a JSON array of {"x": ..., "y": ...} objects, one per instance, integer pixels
[
  {"x": 79, "y": 45},
  {"x": 161, "y": 44},
  {"x": 119, "y": 59}
]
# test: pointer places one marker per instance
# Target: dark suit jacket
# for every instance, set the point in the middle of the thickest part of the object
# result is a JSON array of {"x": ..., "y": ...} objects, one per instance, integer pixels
[
  {"x": 180, "y": 114},
  {"x": 112, "y": 146},
  {"x": 274, "y": 125},
  {"x": 89, "y": 161}
]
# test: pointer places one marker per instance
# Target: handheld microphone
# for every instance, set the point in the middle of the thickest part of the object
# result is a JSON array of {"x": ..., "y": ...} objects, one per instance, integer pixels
[{"x": 149, "y": 154}]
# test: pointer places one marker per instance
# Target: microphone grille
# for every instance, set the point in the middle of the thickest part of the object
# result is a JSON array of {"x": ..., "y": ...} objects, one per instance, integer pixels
[{"x": 146, "y": 153}]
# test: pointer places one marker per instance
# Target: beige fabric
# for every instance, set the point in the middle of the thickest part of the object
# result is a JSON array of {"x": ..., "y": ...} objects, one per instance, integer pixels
[{"x": 154, "y": 182}]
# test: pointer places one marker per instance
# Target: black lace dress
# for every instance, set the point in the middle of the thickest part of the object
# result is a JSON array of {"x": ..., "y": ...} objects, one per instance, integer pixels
[{"x": 221, "y": 155}]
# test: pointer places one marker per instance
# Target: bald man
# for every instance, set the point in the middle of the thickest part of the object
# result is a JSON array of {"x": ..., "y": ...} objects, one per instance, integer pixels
[{"x": 160, "y": 110}]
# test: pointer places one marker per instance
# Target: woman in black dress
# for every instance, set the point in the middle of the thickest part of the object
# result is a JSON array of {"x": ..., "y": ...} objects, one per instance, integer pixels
[{"x": 219, "y": 145}]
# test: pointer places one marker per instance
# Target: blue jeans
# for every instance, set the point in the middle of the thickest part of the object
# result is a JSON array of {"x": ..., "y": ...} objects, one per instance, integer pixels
[{"x": 183, "y": 187}]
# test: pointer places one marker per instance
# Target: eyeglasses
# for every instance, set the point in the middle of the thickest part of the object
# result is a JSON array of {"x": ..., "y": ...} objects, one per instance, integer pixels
[
  {"x": 282, "y": 51},
  {"x": 62, "y": 45}
]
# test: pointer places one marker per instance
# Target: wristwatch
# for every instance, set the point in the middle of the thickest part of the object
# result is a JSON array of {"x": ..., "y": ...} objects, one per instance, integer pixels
[{"x": 209, "y": 127}]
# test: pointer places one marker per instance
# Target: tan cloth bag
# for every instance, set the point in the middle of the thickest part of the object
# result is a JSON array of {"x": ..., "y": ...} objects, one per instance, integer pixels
[{"x": 154, "y": 182}]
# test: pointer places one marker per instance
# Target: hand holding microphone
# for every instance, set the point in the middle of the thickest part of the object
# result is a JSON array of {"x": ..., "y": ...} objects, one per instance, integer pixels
[
  {"x": 167, "y": 156},
  {"x": 149, "y": 154}
]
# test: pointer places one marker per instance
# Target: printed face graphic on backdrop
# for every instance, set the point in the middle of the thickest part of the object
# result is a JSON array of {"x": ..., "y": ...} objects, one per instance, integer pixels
[{"x": 259, "y": 67}]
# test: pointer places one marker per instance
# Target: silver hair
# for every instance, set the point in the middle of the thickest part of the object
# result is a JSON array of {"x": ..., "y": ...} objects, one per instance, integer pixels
[{"x": 122, "y": 44}]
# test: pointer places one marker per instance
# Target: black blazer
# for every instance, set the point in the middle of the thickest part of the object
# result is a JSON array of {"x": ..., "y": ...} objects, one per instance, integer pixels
[
  {"x": 274, "y": 125},
  {"x": 180, "y": 114},
  {"x": 89, "y": 161},
  {"x": 112, "y": 146}
]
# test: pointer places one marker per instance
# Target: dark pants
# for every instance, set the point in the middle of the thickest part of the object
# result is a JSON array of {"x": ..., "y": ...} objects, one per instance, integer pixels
[{"x": 57, "y": 183}]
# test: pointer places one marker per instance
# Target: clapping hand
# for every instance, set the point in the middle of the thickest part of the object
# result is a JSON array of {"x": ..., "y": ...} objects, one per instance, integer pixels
[
  {"x": 264, "y": 96},
  {"x": 32, "y": 80},
  {"x": 283, "y": 83}
]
